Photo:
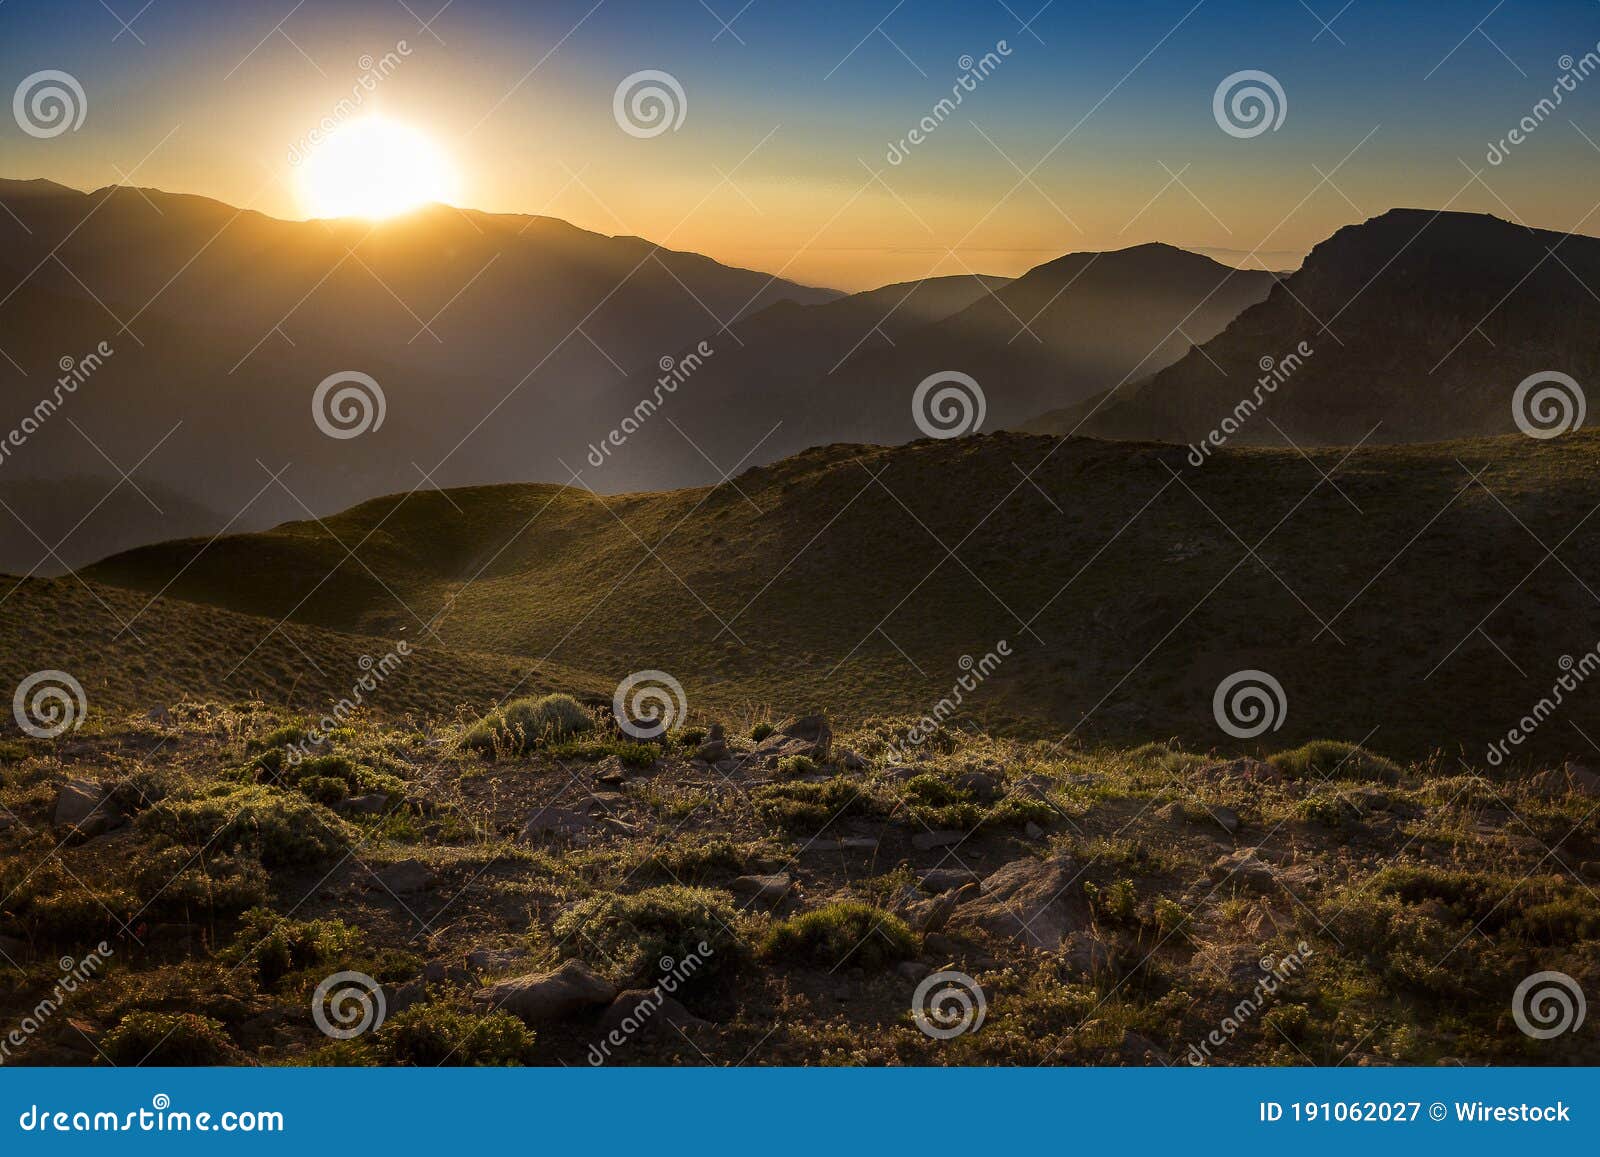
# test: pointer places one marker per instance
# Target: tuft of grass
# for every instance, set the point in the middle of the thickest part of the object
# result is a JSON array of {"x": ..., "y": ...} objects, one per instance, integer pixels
[
  {"x": 430, "y": 1035},
  {"x": 807, "y": 807},
  {"x": 1332, "y": 759},
  {"x": 162, "y": 1038},
  {"x": 637, "y": 935},
  {"x": 281, "y": 828},
  {"x": 847, "y": 933},
  {"x": 525, "y": 724}
]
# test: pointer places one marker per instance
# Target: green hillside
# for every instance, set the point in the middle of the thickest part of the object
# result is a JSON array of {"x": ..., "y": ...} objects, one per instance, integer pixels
[{"x": 1402, "y": 603}]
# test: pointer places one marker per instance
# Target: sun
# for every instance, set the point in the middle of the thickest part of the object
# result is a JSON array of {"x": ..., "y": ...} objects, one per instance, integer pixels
[{"x": 375, "y": 168}]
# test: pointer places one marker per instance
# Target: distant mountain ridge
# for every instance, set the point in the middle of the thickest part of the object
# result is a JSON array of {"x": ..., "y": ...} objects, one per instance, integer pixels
[
  {"x": 847, "y": 370},
  {"x": 1412, "y": 326}
]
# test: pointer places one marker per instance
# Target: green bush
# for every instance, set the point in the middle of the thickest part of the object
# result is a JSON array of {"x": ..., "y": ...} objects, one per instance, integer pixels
[
  {"x": 1331, "y": 759},
  {"x": 429, "y": 1035},
  {"x": 761, "y": 731},
  {"x": 524, "y": 724},
  {"x": 794, "y": 766},
  {"x": 162, "y": 1038},
  {"x": 179, "y": 882},
  {"x": 847, "y": 933},
  {"x": 808, "y": 807},
  {"x": 634, "y": 934},
  {"x": 282, "y": 828},
  {"x": 277, "y": 946}
]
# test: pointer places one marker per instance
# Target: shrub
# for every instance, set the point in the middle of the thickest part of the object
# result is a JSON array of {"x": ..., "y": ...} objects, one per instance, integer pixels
[
  {"x": 1331, "y": 759},
  {"x": 278, "y": 946},
  {"x": 694, "y": 863},
  {"x": 179, "y": 882},
  {"x": 435, "y": 1034},
  {"x": 761, "y": 731},
  {"x": 847, "y": 932},
  {"x": 162, "y": 1038},
  {"x": 634, "y": 934},
  {"x": 282, "y": 828},
  {"x": 524, "y": 724},
  {"x": 794, "y": 766},
  {"x": 808, "y": 807}
]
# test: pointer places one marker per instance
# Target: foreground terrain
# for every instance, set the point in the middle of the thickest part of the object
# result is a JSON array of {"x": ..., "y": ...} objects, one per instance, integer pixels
[{"x": 790, "y": 889}]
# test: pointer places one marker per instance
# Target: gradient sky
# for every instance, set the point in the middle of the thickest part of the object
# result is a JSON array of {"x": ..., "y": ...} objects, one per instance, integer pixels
[{"x": 798, "y": 103}]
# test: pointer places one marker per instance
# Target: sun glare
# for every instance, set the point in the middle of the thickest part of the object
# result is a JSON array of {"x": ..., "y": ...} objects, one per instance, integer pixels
[{"x": 375, "y": 168}]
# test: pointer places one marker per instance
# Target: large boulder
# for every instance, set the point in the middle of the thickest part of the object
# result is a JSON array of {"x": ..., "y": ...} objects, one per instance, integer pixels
[
  {"x": 543, "y": 997},
  {"x": 645, "y": 1012},
  {"x": 1036, "y": 902}
]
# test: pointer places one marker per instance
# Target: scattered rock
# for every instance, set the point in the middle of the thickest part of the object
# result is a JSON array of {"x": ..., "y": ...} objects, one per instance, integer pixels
[
  {"x": 644, "y": 1012},
  {"x": 78, "y": 805},
  {"x": 365, "y": 805},
  {"x": 493, "y": 959},
  {"x": 900, "y": 773},
  {"x": 940, "y": 945},
  {"x": 933, "y": 914},
  {"x": 1244, "y": 770},
  {"x": 160, "y": 716},
  {"x": 555, "y": 821},
  {"x": 401, "y": 997},
  {"x": 1031, "y": 901},
  {"x": 712, "y": 751},
  {"x": 810, "y": 729},
  {"x": 541, "y": 998},
  {"x": 1140, "y": 1050},
  {"x": 1033, "y": 831},
  {"x": 940, "y": 880},
  {"x": 1226, "y": 817},
  {"x": 1085, "y": 954},
  {"x": 912, "y": 970},
  {"x": 1247, "y": 868},
  {"x": 927, "y": 841},
  {"x": 763, "y": 889},
  {"x": 406, "y": 876},
  {"x": 986, "y": 787}
]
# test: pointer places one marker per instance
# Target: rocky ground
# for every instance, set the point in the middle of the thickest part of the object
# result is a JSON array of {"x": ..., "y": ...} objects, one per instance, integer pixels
[{"x": 177, "y": 889}]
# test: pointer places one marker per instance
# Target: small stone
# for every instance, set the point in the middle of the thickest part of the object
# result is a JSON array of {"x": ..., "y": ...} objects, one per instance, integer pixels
[
  {"x": 912, "y": 970},
  {"x": 365, "y": 805},
  {"x": 401, "y": 997},
  {"x": 160, "y": 716},
  {"x": 985, "y": 787},
  {"x": 78, "y": 805},
  {"x": 645, "y": 1012},
  {"x": 940, "y": 880},
  {"x": 927, "y": 841},
  {"x": 406, "y": 876},
  {"x": 555, "y": 821},
  {"x": 1247, "y": 868},
  {"x": 1226, "y": 817},
  {"x": 1033, "y": 831},
  {"x": 712, "y": 751},
  {"x": 541, "y": 998},
  {"x": 764, "y": 889},
  {"x": 850, "y": 761},
  {"x": 493, "y": 959}
]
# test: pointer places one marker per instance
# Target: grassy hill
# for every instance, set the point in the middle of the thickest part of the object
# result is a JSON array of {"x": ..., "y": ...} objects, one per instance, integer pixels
[{"x": 1402, "y": 604}]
